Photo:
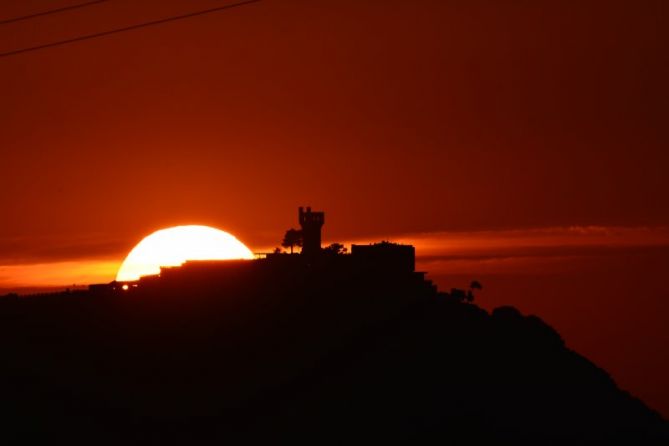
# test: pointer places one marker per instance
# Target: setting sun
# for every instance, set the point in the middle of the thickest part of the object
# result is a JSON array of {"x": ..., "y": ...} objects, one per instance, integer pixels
[{"x": 174, "y": 246}]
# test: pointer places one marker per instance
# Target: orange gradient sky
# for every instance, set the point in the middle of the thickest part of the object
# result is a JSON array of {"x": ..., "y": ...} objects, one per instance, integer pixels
[{"x": 479, "y": 252}]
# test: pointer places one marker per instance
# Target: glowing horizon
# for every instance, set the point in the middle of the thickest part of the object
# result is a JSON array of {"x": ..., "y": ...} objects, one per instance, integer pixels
[
  {"x": 176, "y": 245},
  {"x": 471, "y": 251}
]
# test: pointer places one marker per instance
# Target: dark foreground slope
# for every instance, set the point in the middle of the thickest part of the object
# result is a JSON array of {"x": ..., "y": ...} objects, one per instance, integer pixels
[{"x": 324, "y": 363}]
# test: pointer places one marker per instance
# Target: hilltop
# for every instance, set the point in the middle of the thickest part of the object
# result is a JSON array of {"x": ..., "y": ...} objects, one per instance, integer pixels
[
  {"x": 329, "y": 364},
  {"x": 320, "y": 346}
]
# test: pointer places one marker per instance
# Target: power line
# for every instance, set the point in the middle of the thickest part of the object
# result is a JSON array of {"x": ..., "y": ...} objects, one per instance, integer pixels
[
  {"x": 127, "y": 28},
  {"x": 51, "y": 11}
]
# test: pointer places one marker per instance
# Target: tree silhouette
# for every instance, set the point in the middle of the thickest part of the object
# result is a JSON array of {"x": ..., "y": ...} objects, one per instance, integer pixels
[
  {"x": 466, "y": 296},
  {"x": 292, "y": 238},
  {"x": 475, "y": 285},
  {"x": 458, "y": 294},
  {"x": 335, "y": 248}
]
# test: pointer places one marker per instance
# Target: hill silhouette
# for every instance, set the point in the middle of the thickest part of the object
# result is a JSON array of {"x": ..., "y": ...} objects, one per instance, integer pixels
[
  {"x": 311, "y": 357},
  {"x": 321, "y": 346}
]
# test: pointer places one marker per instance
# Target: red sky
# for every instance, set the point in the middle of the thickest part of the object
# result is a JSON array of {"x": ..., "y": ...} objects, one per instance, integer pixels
[{"x": 486, "y": 132}]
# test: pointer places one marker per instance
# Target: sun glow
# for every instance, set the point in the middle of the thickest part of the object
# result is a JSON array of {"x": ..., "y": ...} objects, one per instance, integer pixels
[{"x": 174, "y": 246}]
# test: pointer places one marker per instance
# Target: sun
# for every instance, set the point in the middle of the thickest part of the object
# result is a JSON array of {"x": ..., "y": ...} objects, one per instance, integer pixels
[{"x": 173, "y": 246}]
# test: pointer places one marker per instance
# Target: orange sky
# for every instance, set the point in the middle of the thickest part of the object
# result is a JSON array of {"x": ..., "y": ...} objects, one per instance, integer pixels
[
  {"x": 395, "y": 117},
  {"x": 537, "y": 250},
  {"x": 488, "y": 133}
]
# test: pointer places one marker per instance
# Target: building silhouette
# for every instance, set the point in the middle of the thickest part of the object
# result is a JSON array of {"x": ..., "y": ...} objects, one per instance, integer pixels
[
  {"x": 378, "y": 267},
  {"x": 311, "y": 223}
]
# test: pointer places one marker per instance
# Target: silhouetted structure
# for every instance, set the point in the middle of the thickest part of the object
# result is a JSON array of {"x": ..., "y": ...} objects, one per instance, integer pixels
[
  {"x": 311, "y": 223},
  {"x": 374, "y": 268},
  {"x": 388, "y": 257}
]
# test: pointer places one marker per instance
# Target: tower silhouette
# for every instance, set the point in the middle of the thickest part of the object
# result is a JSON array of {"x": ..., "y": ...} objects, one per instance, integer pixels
[{"x": 311, "y": 223}]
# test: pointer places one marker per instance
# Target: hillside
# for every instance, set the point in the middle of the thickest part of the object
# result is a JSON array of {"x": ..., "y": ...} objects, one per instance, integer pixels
[{"x": 326, "y": 363}]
